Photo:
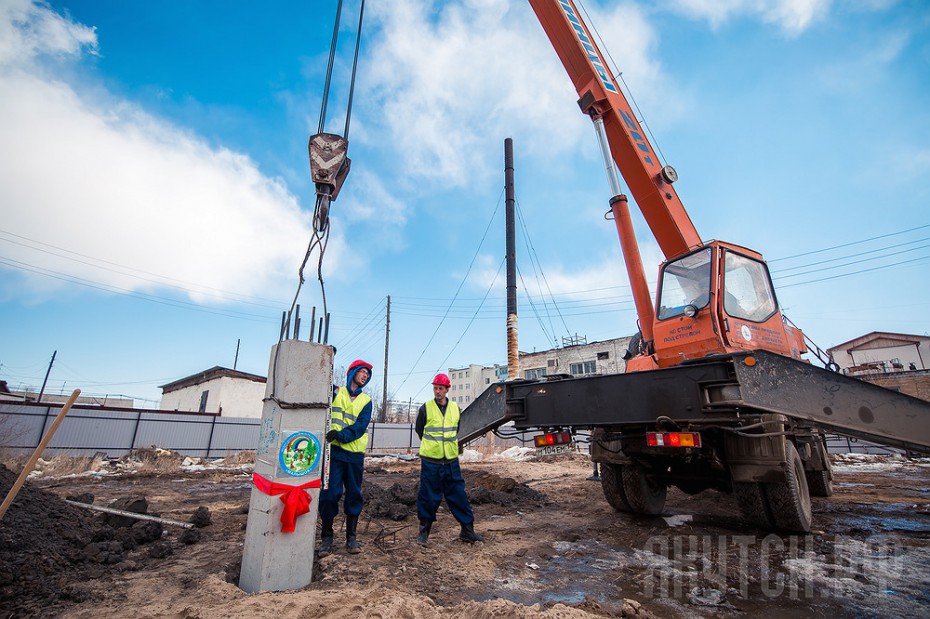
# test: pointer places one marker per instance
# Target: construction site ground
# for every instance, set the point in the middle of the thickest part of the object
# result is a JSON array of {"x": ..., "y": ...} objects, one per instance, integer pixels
[{"x": 554, "y": 547}]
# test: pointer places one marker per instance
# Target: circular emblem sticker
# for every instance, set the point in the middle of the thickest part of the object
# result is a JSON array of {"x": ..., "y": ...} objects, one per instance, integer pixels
[
  {"x": 747, "y": 334},
  {"x": 300, "y": 454}
]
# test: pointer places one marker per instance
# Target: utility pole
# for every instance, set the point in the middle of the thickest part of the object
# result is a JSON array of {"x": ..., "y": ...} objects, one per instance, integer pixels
[
  {"x": 47, "y": 372},
  {"x": 387, "y": 335},
  {"x": 513, "y": 350},
  {"x": 236, "y": 360}
]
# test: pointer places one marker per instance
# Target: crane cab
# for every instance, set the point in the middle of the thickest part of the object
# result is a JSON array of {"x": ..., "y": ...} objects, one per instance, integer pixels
[{"x": 717, "y": 299}]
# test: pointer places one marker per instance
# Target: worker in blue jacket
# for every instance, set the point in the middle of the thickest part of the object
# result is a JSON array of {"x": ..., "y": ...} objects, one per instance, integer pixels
[
  {"x": 440, "y": 475},
  {"x": 348, "y": 438}
]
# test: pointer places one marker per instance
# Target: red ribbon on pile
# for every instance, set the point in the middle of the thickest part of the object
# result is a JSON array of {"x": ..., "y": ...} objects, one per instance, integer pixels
[{"x": 295, "y": 498}]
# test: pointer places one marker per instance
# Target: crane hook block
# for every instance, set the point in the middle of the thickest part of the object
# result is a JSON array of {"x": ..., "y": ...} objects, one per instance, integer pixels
[{"x": 329, "y": 164}]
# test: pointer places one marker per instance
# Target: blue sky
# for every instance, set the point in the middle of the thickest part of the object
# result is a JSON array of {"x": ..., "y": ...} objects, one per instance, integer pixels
[{"x": 156, "y": 203}]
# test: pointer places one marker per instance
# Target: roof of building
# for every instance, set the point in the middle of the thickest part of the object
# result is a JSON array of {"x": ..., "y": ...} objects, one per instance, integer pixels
[
  {"x": 899, "y": 339},
  {"x": 207, "y": 375}
]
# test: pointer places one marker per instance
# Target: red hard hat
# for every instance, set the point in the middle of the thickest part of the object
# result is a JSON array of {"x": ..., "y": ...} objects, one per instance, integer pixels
[
  {"x": 442, "y": 380},
  {"x": 358, "y": 363}
]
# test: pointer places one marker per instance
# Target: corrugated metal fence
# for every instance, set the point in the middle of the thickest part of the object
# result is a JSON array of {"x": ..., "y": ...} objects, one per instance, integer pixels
[
  {"x": 89, "y": 430},
  {"x": 114, "y": 432}
]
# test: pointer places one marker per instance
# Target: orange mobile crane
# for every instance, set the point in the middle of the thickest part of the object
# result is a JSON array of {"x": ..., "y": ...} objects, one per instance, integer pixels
[{"x": 715, "y": 393}]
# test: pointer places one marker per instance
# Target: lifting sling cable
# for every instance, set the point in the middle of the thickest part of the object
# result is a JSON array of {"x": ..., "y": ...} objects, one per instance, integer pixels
[{"x": 330, "y": 171}]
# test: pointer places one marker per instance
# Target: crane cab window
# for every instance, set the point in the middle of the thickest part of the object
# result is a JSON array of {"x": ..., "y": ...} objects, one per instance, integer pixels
[
  {"x": 748, "y": 291},
  {"x": 684, "y": 282}
]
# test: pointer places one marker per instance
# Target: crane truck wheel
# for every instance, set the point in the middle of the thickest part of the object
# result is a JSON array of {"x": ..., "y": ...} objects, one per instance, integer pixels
[
  {"x": 790, "y": 500},
  {"x": 643, "y": 495},
  {"x": 612, "y": 484}
]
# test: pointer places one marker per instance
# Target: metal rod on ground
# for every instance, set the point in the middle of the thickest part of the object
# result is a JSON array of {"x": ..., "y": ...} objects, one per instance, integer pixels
[
  {"x": 38, "y": 452},
  {"x": 122, "y": 512}
]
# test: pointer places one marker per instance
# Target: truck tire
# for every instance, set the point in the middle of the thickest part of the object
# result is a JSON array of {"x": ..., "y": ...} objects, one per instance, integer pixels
[
  {"x": 790, "y": 500},
  {"x": 612, "y": 484},
  {"x": 754, "y": 505},
  {"x": 643, "y": 495}
]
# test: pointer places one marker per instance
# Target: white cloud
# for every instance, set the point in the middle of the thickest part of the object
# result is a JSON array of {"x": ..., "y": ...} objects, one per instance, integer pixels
[
  {"x": 100, "y": 177},
  {"x": 792, "y": 16},
  {"x": 28, "y": 30},
  {"x": 445, "y": 81}
]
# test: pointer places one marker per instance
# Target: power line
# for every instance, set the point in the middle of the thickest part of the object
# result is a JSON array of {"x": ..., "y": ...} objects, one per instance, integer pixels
[
  {"x": 871, "y": 251},
  {"x": 16, "y": 264},
  {"x": 468, "y": 326},
  {"x": 161, "y": 280},
  {"x": 452, "y": 302},
  {"x": 881, "y": 236}
]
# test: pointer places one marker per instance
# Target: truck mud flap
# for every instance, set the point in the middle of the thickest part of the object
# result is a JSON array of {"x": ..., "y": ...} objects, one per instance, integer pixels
[
  {"x": 844, "y": 405},
  {"x": 758, "y": 459}
]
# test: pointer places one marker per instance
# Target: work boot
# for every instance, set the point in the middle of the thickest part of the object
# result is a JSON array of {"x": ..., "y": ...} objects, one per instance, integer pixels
[
  {"x": 423, "y": 537},
  {"x": 468, "y": 534},
  {"x": 326, "y": 539},
  {"x": 351, "y": 541}
]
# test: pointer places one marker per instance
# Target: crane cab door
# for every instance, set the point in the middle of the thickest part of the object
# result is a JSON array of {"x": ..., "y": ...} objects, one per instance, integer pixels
[
  {"x": 684, "y": 327},
  {"x": 748, "y": 308}
]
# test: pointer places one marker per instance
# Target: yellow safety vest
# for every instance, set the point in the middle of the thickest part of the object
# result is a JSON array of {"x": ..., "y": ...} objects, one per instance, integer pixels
[
  {"x": 345, "y": 411},
  {"x": 439, "y": 432}
]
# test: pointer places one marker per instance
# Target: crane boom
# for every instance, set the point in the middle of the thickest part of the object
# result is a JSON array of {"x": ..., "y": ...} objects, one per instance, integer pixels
[{"x": 601, "y": 97}]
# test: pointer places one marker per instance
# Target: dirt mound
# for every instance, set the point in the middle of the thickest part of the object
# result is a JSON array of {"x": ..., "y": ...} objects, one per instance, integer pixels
[
  {"x": 399, "y": 501},
  {"x": 49, "y": 548},
  {"x": 488, "y": 488},
  {"x": 42, "y": 538}
]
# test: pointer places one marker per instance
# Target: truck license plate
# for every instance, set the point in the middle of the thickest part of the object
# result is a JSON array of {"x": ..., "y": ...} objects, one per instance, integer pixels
[{"x": 551, "y": 450}]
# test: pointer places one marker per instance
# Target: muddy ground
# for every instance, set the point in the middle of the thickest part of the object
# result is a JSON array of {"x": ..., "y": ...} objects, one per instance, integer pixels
[{"x": 554, "y": 548}]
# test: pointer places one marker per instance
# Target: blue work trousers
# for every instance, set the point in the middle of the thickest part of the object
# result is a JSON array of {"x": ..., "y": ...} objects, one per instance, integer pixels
[
  {"x": 347, "y": 475},
  {"x": 438, "y": 480}
]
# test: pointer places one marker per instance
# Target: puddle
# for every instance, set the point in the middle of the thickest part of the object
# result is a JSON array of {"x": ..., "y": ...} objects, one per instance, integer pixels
[
  {"x": 578, "y": 571},
  {"x": 884, "y": 518}
]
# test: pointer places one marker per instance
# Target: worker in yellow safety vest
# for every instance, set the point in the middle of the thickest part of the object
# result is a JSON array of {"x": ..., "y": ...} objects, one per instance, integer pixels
[
  {"x": 348, "y": 438},
  {"x": 440, "y": 476}
]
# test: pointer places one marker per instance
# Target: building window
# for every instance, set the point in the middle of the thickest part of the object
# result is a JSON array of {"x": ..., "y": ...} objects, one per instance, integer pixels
[
  {"x": 535, "y": 374},
  {"x": 203, "y": 401},
  {"x": 586, "y": 367},
  {"x": 603, "y": 355},
  {"x": 487, "y": 381},
  {"x": 553, "y": 363}
]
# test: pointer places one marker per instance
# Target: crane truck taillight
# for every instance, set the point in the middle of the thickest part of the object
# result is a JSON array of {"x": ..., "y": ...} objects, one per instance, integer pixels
[
  {"x": 673, "y": 439},
  {"x": 553, "y": 443}
]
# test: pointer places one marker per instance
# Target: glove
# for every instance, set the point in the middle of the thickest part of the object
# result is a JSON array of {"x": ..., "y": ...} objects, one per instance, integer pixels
[{"x": 331, "y": 436}]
